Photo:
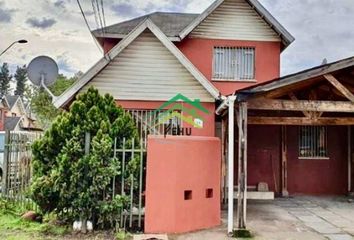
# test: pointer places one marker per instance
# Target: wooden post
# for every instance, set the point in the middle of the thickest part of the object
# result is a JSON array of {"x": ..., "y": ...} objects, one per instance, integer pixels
[
  {"x": 5, "y": 163},
  {"x": 223, "y": 161},
  {"x": 349, "y": 160},
  {"x": 284, "y": 162},
  {"x": 242, "y": 165}
]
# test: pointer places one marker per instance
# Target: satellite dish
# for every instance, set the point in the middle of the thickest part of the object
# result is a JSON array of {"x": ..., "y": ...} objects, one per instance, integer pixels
[{"x": 43, "y": 71}]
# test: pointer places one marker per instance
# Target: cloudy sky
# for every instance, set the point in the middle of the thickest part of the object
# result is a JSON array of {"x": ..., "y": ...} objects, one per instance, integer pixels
[{"x": 322, "y": 28}]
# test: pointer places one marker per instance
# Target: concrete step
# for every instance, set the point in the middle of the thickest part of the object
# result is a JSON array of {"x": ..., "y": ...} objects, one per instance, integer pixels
[{"x": 257, "y": 195}]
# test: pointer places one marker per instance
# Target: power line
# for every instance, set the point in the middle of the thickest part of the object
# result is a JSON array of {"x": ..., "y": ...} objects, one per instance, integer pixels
[
  {"x": 104, "y": 17},
  {"x": 95, "y": 13},
  {"x": 99, "y": 17},
  {"x": 88, "y": 26}
]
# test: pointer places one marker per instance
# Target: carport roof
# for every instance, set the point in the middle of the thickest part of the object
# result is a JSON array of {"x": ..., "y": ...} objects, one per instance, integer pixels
[{"x": 298, "y": 77}]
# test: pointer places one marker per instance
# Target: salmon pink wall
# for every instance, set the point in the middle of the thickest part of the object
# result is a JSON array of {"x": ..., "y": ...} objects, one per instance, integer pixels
[
  {"x": 305, "y": 176},
  {"x": 320, "y": 177},
  {"x": 264, "y": 156},
  {"x": 179, "y": 164},
  {"x": 108, "y": 43},
  {"x": 209, "y": 119},
  {"x": 200, "y": 53}
]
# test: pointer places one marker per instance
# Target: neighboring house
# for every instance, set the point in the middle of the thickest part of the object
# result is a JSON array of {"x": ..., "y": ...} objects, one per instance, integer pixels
[
  {"x": 2, "y": 115},
  {"x": 225, "y": 56},
  {"x": 18, "y": 116}
]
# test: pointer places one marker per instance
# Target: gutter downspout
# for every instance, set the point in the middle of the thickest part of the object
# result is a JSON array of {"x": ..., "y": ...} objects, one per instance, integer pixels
[{"x": 222, "y": 106}]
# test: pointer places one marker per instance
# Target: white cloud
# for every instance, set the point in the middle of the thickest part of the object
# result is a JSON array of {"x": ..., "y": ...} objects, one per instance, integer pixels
[{"x": 322, "y": 28}]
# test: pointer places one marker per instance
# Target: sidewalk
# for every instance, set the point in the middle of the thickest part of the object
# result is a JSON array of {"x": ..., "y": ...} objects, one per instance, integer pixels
[{"x": 310, "y": 218}]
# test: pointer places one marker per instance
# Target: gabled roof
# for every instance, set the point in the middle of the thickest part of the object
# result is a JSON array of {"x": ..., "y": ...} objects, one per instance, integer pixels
[
  {"x": 177, "y": 26},
  {"x": 114, "y": 52},
  {"x": 11, "y": 100},
  {"x": 299, "y": 76},
  {"x": 11, "y": 122},
  {"x": 171, "y": 24},
  {"x": 286, "y": 37}
]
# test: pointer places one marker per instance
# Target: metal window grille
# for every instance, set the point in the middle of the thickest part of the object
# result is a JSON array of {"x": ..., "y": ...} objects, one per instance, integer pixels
[
  {"x": 147, "y": 122},
  {"x": 234, "y": 63},
  {"x": 313, "y": 142}
]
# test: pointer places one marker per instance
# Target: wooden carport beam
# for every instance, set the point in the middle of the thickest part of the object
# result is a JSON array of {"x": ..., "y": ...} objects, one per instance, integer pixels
[
  {"x": 340, "y": 87},
  {"x": 300, "y": 105},
  {"x": 300, "y": 121},
  {"x": 294, "y": 98}
]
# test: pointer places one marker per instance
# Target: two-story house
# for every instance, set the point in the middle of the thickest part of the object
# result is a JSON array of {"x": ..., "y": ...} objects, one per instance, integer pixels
[
  {"x": 148, "y": 60},
  {"x": 232, "y": 49}
]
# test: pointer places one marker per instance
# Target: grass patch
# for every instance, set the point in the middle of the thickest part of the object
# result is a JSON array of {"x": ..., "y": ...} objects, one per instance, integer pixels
[
  {"x": 123, "y": 235},
  {"x": 12, "y": 227}
]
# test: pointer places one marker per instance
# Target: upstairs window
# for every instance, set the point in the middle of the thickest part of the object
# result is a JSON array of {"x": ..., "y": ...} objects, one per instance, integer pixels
[
  {"x": 313, "y": 142},
  {"x": 234, "y": 63}
]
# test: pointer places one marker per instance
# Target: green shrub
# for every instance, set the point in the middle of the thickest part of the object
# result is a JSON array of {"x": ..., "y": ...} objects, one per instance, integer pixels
[{"x": 74, "y": 184}]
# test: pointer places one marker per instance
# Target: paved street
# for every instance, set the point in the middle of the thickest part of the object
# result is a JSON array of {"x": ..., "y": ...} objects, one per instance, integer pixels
[{"x": 310, "y": 218}]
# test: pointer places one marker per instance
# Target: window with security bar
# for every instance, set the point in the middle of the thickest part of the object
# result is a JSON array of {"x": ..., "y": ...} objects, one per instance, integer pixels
[
  {"x": 313, "y": 142},
  {"x": 234, "y": 63},
  {"x": 147, "y": 122}
]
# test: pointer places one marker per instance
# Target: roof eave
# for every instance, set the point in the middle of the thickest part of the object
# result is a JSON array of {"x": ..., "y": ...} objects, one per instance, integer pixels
[
  {"x": 121, "y": 36},
  {"x": 284, "y": 34}
]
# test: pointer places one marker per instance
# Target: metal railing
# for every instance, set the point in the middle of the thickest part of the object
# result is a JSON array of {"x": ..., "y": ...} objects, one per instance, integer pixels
[
  {"x": 147, "y": 123},
  {"x": 313, "y": 142},
  {"x": 132, "y": 186},
  {"x": 17, "y": 174},
  {"x": 16, "y": 165}
]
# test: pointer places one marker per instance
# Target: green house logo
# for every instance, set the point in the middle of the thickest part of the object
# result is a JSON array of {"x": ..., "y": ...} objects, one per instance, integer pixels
[{"x": 183, "y": 108}]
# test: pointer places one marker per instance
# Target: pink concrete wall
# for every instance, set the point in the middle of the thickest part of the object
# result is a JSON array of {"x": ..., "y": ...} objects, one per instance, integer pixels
[
  {"x": 319, "y": 177},
  {"x": 200, "y": 53},
  {"x": 209, "y": 119},
  {"x": 176, "y": 164},
  {"x": 305, "y": 176}
]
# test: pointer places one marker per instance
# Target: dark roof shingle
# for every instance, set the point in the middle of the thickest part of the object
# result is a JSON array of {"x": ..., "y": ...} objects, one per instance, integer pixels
[
  {"x": 171, "y": 24},
  {"x": 11, "y": 100},
  {"x": 11, "y": 122}
]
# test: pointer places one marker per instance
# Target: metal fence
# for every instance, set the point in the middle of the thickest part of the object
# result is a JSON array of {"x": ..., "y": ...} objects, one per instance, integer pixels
[
  {"x": 15, "y": 161},
  {"x": 147, "y": 123},
  {"x": 17, "y": 173},
  {"x": 132, "y": 184}
]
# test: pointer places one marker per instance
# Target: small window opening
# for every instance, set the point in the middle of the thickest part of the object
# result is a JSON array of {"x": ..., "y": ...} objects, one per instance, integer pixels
[
  {"x": 187, "y": 194},
  {"x": 209, "y": 193},
  {"x": 313, "y": 142}
]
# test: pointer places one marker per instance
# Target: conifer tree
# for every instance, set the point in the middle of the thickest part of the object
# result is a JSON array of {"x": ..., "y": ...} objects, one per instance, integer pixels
[
  {"x": 5, "y": 79},
  {"x": 20, "y": 78}
]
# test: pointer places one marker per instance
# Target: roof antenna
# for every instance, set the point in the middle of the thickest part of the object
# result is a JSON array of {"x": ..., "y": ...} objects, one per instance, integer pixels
[{"x": 324, "y": 61}]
